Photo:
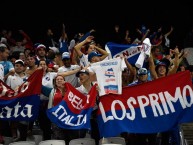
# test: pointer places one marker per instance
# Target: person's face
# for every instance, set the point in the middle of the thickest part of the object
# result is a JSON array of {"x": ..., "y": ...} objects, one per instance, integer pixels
[
  {"x": 50, "y": 54},
  {"x": 49, "y": 32},
  {"x": 57, "y": 59},
  {"x": 43, "y": 65},
  {"x": 162, "y": 70},
  {"x": 125, "y": 75},
  {"x": 41, "y": 52},
  {"x": 13, "y": 60},
  {"x": 22, "y": 57},
  {"x": 91, "y": 48},
  {"x": 67, "y": 62},
  {"x": 116, "y": 28},
  {"x": 83, "y": 77},
  {"x": 26, "y": 52},
  {"x": 60, "y": 81},
  {"x": 4, "y": 55},
  {"x": 19, "y": 44},
  {"x": 182, "y": 68},
  {"x": 19, "y": 68},
  {"x": 143, "y": 78},
  {"x": 30, "y": 61},
  {"x": 95, "y": 59},
  {"x": 157, "y": 51}
]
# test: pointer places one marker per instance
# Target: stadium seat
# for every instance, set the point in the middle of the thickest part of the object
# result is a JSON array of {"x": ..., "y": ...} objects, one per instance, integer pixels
[
  {"x": 23, "y": 143},
  {"x": 82, "y": 141},
  {"x": 52, "y": 142},
  {"x": 112, "y": 140}
]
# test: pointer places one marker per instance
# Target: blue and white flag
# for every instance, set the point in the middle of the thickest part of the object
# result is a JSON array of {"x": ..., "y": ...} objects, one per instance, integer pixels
[
  {"x": 74, "y": 111},
  {"x": 135, "y": 54}
]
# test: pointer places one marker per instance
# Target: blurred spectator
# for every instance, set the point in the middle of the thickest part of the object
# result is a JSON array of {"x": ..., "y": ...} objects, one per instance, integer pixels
[{"x": 188, "y": 46}]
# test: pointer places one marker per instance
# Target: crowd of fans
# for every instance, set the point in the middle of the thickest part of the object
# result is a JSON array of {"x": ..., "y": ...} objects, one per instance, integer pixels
[{"x": 69, "y": 60}]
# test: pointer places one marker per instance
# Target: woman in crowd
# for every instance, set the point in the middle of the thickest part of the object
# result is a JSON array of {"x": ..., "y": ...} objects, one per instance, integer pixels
[{"x": 55, "y": 97}]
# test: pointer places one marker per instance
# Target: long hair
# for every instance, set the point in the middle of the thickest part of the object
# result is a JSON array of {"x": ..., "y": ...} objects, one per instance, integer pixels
[{"x": 54, "y": 81}]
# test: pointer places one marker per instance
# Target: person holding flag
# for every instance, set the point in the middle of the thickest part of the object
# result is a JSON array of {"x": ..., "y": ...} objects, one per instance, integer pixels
[
  {"x": 14, "y": 82},
  {"x": 163, "y": 69},
  {"x": 86, "y": 86},
  {"x": 70, "y": 110},
  {"x": 47, "y": 83}
]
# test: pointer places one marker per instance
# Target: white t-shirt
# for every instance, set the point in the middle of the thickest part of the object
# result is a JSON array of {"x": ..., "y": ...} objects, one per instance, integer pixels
[
  {"x": 47, "y": 81},
  {"x": 109, "y": 75},
  {"x": 1, "y": 72},
  {"x": 84, "y": 60},
  {"x": 15, "y": 80}
]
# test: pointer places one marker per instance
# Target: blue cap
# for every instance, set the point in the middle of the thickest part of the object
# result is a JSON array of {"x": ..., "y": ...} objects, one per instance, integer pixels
[{"x": 92, "y": 54}]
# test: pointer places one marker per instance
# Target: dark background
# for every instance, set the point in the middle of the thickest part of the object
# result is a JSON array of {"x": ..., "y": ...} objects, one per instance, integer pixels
[{"x": 35, "y": 17}]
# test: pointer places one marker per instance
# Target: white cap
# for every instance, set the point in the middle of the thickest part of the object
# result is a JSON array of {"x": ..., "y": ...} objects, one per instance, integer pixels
[
  {"x": 3, "y": 45},
  {"x": 3, "y": 40},
  {"x": 66, "y": 55},
  {"x": 19, "y": 61},
  {"x": 54, "y": 49},
  {"x": 41, "y": 46}
]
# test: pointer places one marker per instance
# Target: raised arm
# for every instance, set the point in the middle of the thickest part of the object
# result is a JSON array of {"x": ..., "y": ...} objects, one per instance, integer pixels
[
  {"x": 168, "y": 33},
  {"x": 68, "y": 73},
  {"x": 78, "y": 47},
  {"x": 131, "y": 70},
  {"x": 176, "y": 62},
  {"x": 63, "y": 34},
  {"x": 101, "y": 51},
  {"x": 152, "y": 67}
]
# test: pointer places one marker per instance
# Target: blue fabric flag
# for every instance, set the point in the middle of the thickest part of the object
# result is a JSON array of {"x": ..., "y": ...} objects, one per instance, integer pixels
[{"x": 74, "y": 111}]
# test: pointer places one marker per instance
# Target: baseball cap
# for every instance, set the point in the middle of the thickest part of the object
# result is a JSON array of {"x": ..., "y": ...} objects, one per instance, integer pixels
[
  {"x": 66, "y": 55},
  {"x": 92, "y": 54},
  {"x": 142, "y": 71},
  {"x": 3, "y": 40},
  {"x": 19, "y": 61},
  {"x": 54, "y": 49},
  {"x": 82, "y": 71},
  {"x": 3, "y": 45},
  {"x": 163, "y": 62},
  {"x": 40, "y": 46}
]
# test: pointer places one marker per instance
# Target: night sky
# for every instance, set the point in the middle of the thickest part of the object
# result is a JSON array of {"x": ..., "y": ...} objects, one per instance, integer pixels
[{"x": 78, "y": 16}]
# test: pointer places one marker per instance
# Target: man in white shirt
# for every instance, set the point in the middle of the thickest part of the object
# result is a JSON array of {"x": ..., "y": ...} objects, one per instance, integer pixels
[
  {"x": 84, "y": 78},
  {"x": 67, "y": 67},
  {"x": 14, "y": 82}
]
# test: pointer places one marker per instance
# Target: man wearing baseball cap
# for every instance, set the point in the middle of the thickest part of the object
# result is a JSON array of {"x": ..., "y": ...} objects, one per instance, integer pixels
[
  {"x": 67, "y": 67},
  {"x": 85, "y": 87},
  {"x": 14, "y": 82},
  {"x": 82, "y": 72},
  {"x": 142, "y": 77}
]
